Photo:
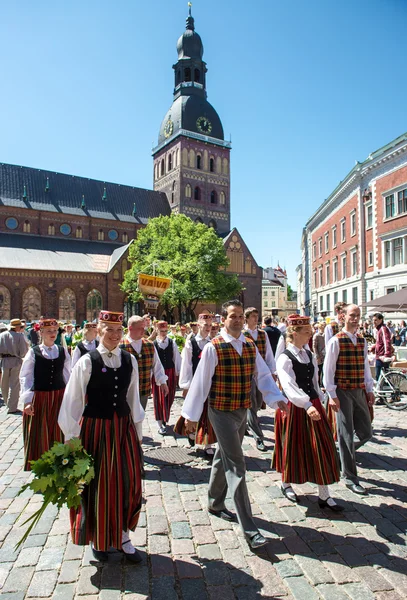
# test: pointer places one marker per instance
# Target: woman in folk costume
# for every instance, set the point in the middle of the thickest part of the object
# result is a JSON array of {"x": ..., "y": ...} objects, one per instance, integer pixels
[
  {"x": 101, "y": 406},
  {"x": 191, "y": 355},
  {"x": 305, "y": 449},
  {"x": 88, "y": 343},
  {"x": 44, "y": 374},
  {"x": 171, "y": 361}
]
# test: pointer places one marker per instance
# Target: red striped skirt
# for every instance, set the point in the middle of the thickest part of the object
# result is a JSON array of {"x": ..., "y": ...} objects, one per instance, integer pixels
[
  {"x": 162, "y": 403},
  {"x": 305, "y": 449},
  {"x": 331, "y": 416},
  {"x": 204, "y": 432},
  {"x": 41, "y": 429},
  {"x": 111, "y": 503}
]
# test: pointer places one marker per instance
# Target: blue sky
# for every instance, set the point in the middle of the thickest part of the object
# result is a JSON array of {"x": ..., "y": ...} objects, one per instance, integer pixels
[{"x": 305, "y": 88}]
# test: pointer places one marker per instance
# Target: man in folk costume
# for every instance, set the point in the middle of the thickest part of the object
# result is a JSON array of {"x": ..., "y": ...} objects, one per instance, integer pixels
[
  {"x": 44, "y": 374},
  {"x": 349, "y": 383},
  {"x": 191, "y": 355},
  {"x": 262, "y": 342},
  {"x": 171, "y": 361},
  {"x": 13, "y": 348},
  {"x": 224, "y": 375},
  {"x": 87, "y": 344},
  {"x": 336, "y": 324},
  {"x": 101, "y": 406}
]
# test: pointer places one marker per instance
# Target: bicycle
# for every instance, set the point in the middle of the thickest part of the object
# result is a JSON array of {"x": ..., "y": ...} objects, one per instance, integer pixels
[{"x": 391, "y": 387}]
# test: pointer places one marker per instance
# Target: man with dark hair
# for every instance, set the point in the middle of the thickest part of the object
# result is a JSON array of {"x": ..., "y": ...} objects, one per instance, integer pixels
[
  {"x": 337, "y": 323},
  {"x": 275, "y": 337},
  {"x": 224, "y": 376},
  {"x": 383, "y": 347}
]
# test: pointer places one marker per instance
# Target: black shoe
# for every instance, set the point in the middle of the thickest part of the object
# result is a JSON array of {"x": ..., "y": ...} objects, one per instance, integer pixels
[
  {"x": 257, "y": 541},
  {"x": 100, "y": 555},
  {"x": 334, "y": 507},
  {"x": 260, "y": 446},
  {"x": 247, "y": 432},
  {"x": 290, "y": 494},
  {"x": 191, "y": 442},
  {"x": 356, "y": 488},
  {"x": 224, "y": 514},
  {"x": 133, "y": 558},
  {"x": 14, "y": 412}
]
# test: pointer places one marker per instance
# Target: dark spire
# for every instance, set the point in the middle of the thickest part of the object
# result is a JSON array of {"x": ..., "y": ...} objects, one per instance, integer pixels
[{"x": 190, "y": 18}]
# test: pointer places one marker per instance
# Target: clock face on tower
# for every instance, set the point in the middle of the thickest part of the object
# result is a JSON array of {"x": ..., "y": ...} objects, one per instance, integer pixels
[
  {"x": 204, "y": 125},
  {"x": 169, "y": 128}
]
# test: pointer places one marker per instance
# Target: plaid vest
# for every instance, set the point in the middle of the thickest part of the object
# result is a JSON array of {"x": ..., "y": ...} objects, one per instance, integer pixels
[
  {"x": 260, "y": 342},
  {"x": 232, "y": 380},
  {"x": 350, "y": 366},
  {"x": 145, "y": 363}
]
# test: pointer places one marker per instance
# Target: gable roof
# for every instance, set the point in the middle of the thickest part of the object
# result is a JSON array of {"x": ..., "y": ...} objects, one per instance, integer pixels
[
  {"x": 227, "y": 236},
  {"x": 25, "y": 187}
]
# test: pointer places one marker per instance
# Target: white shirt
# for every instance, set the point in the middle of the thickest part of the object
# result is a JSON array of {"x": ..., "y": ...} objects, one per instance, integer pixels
[
  {"x": 27, "y": 370},
  {"x": 73, "y": 402},
  {"x": 288, "y": 381},
  {"x": 331, "y": 358},
  {"x": 280, "y": 347},
  {"x": 158, "y": 370},
  {"x": 328, "y": 333},
  {"x": 282, "y": 327},
  {"x": 163, "y": 344},
  {"x": 90, "y": 346},
  {"x": 269, "y": 359},
  {"x": 186, "y": 374},
  {"x": 202, "y": 381}
]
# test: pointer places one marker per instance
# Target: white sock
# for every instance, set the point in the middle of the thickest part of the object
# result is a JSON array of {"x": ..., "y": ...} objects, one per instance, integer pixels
[
  {"x": 127, "y": 546},
  {"x": 159, "y": 423},
  {"x": 285, "y": 485},
  {"x": 323, "y": 492}
]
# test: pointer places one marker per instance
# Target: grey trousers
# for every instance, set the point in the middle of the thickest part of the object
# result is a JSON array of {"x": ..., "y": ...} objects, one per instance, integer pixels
[
  {"x": 10, "y": 387},
  {"x": 352, "y": 418},
  {"x": 229, "y": 467},
  {"x": 252, "y": 419}
]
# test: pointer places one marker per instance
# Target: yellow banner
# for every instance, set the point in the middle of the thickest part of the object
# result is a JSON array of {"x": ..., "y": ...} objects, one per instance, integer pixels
[{"x": 149, "y": 285}]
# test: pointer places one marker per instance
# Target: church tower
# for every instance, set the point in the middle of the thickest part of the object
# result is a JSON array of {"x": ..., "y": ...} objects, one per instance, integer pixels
[{"x": 192, "y": 158}]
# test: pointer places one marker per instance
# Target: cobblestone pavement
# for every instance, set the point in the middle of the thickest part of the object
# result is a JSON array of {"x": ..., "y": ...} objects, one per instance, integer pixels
[{"x": 361, "y": 554}]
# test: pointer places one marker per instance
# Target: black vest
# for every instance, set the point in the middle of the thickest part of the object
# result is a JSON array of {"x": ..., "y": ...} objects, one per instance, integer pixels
[
  {"x": 303, "y": 374},
  {"x": 167, "y": 355},
  {"x": 107, "y": 388},
  {"x": 82, "y": 348},
  {"x": 196, "y": 354},
  {"x": 274, "y": 335},
  {"x": 48, "y": 373}
]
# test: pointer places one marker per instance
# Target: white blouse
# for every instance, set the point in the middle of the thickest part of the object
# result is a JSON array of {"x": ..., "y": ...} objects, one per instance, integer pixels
[
  {"x": 27, "y": 370},
  {"x": 288, "y": 381}
]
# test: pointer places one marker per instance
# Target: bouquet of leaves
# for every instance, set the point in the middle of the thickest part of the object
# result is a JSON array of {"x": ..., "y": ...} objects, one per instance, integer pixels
[
  {"x": 76, "y": 338},
  {"x": 60, "y": 476},
  {"x": 180, "y": 341}
]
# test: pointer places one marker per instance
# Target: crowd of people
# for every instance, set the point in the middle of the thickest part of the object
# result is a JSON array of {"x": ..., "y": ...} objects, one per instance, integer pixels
[{"x": 94, "y": 383}]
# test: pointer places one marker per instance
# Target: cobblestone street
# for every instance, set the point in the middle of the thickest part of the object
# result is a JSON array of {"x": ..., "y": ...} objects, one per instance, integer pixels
[{"x": 187, "y": 554}]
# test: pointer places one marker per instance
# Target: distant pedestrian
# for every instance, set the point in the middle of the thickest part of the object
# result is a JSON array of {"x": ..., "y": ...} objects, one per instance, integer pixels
[{"x": 13, "y": 348}]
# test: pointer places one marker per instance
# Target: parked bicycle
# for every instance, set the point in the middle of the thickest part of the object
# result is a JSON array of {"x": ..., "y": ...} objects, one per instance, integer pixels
[{"x": 391, "y": 387}]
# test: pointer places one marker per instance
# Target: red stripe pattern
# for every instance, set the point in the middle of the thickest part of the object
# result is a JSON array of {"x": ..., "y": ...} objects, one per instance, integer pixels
[
  {"x": 205, "y": 433},
  {"x": 111, "y": 503},
  {"x": 41, "y": 430},
  {"x": 350, "y": 366},
  {"x": 162, "y": 403}
]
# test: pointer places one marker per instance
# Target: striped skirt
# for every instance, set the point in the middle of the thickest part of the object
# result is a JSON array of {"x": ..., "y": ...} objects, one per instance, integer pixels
[
  {"x": 204, "y": 434},
  {"x": 41, "y": 429},
  {"x": 162, "y": 403},
  {"x": 305, "y": 449},
  {"x": 331, "y": 416},
  {"x": 111, "y": 503}
]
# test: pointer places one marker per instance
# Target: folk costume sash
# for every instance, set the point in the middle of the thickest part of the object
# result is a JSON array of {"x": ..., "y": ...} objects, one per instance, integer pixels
[
  {"x": 145, "y": 362},
  {"x": 350, "y": 366},
  {"x": 260, "y": 342},
  {"x": 231, "y": 382}
]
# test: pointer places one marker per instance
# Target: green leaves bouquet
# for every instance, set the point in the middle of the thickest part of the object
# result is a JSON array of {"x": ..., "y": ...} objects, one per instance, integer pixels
[{"x": 60, "y": 476}]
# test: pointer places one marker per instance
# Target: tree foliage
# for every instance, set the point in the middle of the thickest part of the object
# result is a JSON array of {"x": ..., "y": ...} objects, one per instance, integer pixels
[
  {"x": 191, "y": 254},
  {"x": 289, "y": 292}
]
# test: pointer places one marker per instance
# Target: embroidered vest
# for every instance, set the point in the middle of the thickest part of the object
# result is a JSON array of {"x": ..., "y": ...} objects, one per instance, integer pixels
[
  {"x": 231, "y": 382},
  {"x": 48, "y": 373},
  {"x": 350, "y": 366},
  {"x": 260, "y": 342},
  {"x": 145, "y": 361}
]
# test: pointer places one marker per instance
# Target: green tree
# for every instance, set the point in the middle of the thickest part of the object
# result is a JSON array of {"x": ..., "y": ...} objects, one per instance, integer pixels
[
  {"x": 191, "y": 254},
  {"x": 289, "y": 292}
]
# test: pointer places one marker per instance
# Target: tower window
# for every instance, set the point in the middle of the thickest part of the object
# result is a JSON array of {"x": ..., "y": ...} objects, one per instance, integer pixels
[
  {"x": 27, "y": 227},
  {"x": 212, "y": 165},
  {"x": 172, "y": 198},
  {"x": 198, "y": 162},
  {"x": 197, "y": 75},
  {"x": 169, "y": 162},
  {"x": 212, "y": 223},
  {"x": 178, "y": 77},
  {"x": 162, "y": 168},
  {"x": 214, "y": 197},
  {"x": 188, "y": 191},
  {"x": 187, "y": 74},
  {"x": 222, "y": 198},
  {"x": 197, "y": 193}
]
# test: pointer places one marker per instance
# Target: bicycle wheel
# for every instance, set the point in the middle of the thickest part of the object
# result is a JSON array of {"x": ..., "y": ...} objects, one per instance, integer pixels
[{"x": 393, "y": 390}]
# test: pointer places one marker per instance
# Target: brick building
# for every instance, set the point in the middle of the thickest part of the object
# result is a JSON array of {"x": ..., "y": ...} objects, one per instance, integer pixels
[{"x": 354, "y": 247}]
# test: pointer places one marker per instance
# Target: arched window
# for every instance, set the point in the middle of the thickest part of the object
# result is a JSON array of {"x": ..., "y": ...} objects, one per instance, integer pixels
[
  {"x": 78, "y": 232},
  {"x": 174, "y": 185},
  {"x": 125, "y": 267},
  {"x": 219, "y": 165},
  {"x": 67, "y": 305},
  {"x": 93, "y": 305},
  {"x": 214, "y": 197},
  {"x": 178, "y": 76},
  {"x": 5, "y": 303},
  {"x": 155, "y": 171},
  {"x": 225, "y": 166},
  {"x": 177, "y": 158},
  {"x": 222, "y": 198},
  {"x": 185, "y": 157},
  {"x": 198, "y": 220},
  {"x": 212, "y": 165},
  {"x": 187, "y": 74},
  {"x": 192, "y": 158},
  {"x": 116, "y": 274},
  {"x": 188, "y": 191},
  {"x": 212, "y": 223},
  {"x": 248, "y": 265},
  {"x": 198, "y": 161},
  {"x": 197, "y": 193},
  {"x": 169, "y": 162},
  {"x": 31, "y": 303},
  {"x": 125, "y": 238},
  {"x": 101, "y": 235},
  {"x": 197, "y": 75},
  {"x": 162, "y": 168},
  {"x": 51, "y": 229},
  {"x": 27, "y": 227}
]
